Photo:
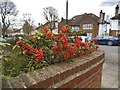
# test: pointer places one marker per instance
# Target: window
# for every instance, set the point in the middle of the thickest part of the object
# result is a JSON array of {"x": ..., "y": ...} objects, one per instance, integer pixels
[
  {"x": 87, "y": 26},
  {"x": 75, "y": 28},
  {"x": 89, "y": 35}
]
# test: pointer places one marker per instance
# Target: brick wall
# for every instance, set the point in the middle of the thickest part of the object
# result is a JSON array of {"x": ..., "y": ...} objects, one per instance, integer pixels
[
  {"x": 90, "y": 20},
  {"x": 84, "y": 72}
]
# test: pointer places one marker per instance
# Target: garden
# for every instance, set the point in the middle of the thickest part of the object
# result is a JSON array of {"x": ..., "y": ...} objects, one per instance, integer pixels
[{"x": 41, "y": 50}]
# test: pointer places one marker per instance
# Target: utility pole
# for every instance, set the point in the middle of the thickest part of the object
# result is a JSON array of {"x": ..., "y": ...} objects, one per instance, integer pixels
[{"x": 66, "y": 11}]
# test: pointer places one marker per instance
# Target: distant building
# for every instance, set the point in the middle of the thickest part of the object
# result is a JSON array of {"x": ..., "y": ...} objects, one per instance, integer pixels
[
  {"x": 50, "y": 25},
  {"x": 88, "y": 22},
  {"x": 15, "y": 31},
  {"x": 115, "y": 22}
]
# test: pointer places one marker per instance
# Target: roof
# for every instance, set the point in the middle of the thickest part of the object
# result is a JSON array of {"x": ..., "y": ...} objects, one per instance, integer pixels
[
  {"x": 75, "y": 20},
  {"x": 116, "y": 17},
  {"x": 78, "y": 18},
  {"x": 63, "y": 22}
]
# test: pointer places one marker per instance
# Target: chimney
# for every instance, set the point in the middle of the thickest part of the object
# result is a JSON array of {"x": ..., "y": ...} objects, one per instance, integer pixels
[
  {"x": 101, "y": 17},
  {"x": 116, "y": 10}
]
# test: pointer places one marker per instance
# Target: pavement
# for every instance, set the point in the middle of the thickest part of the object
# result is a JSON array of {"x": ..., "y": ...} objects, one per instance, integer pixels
[
  {"x": 110, "y": 67},
  {"x": 110, "y": 76}
]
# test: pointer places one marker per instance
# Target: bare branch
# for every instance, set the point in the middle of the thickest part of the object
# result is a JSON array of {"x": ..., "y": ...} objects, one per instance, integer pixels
[
  {"x": 7, "y": 9},
  {"x": 50, "y": 13}
]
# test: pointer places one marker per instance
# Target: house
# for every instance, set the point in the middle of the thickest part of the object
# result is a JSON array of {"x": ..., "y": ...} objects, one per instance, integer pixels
[
  {"x": 115, "y": 22},
  {"x": 13, "y": 32},
  {"x": 104, "y": 26},
  {"x": 88, "y": 22},
  {"x": 53, "y": 25}
]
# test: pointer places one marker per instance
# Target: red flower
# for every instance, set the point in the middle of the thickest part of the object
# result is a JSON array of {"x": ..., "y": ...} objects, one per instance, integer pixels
[
  {"x": 38, "y": 55},
  {"x": 26, "y": 51},
  {"x": 45, "y": 30},
  {"x": 64, "y": 29},
  {"x": 64, "y": 38},
  {"x": 27, "y": 46},
  {"x": 82, "y": 43},
  {"x": 33, "y": 50},
  {"x": 66, "y": 55},
  {"x": 38, "y": 58},
  {"x": 90, "y": 50},
  {"x": 20, "y": 43},
  {"x": 57, "y": 49},
  {"x": 96, "y": 46},
  {"x": 73, "y": 54},
  {"x": 77, "y": 39},
  {"x": 76, "y": 44},
  {"x": 48, "y": 34},
  {"x": 57, "y": 38},
  {"x": 65, "y": 45},
  {"x": 73, "y": 51},
  {"x": 36, "y": 37},
  {"x": 82, "y": 52}
]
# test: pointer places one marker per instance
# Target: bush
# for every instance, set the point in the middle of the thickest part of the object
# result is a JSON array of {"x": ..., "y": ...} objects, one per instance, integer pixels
[{"x": 43, "y": 49}]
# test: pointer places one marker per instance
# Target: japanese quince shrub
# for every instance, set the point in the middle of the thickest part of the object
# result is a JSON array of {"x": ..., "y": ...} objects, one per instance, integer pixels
[{"x": 45, "y": 48}]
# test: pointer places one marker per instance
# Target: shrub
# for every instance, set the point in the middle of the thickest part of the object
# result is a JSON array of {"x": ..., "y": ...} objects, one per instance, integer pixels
[{"x": 45, "y": 48}]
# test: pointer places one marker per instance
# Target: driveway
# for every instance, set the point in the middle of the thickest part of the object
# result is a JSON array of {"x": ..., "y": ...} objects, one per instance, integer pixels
[{"x": 110, "y": 67}]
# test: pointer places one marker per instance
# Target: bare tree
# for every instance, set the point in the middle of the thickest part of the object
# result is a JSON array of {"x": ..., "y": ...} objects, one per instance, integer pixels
[
  {"x": 27, "y": 28},
  {"x": 27, "y": 17},
  {"x": 7, "y": 10},
  {"x": 50, "y": 14},
  {"x": 28, "y": 23}
]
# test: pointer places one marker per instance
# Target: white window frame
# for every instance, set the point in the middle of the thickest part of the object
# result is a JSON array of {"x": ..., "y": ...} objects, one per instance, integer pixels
[{"x": 87, "y": 26}]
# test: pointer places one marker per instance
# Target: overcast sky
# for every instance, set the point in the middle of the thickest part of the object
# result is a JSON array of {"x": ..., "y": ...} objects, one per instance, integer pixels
[{"x": 76, "y": 7}]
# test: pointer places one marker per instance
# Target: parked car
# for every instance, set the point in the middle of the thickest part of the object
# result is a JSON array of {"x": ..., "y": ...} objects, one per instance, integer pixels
[{"x": 108, "y": 40}]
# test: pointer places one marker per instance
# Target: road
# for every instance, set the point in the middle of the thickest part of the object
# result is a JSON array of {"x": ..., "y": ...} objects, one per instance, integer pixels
[{"x": 110, "y": 67}]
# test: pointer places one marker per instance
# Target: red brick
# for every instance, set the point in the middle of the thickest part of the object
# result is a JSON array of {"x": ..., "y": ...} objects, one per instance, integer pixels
[
  {"x": 71, "y": 84},
  {"x": 56, "y": 78},
  {"x": 72, "y": 71},
  {"x": 49, "y": 82},
  {"x": 80, "y": 79},
  {"x": 68, "y": 73},
  {"x": 62, "y": 76},
  {"x": 41, "y": 84},
  {"x": 77, "y": 69}
]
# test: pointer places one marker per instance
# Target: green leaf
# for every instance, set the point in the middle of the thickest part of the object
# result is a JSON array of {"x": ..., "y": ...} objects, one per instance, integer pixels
[
  {"x": 32, "y": 68},
  {"x": 14, "y": 47}
]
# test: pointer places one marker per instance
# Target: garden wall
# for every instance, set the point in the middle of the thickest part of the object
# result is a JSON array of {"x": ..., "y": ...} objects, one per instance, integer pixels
[{"x": 84, "y": 72}]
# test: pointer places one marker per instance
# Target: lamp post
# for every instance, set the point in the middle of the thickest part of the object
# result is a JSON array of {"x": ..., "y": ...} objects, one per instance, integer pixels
[{"x": 66, "y": 11}]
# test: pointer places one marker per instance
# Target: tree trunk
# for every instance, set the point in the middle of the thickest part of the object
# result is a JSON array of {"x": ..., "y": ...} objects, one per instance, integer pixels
[{"x": 3, "y": 32}]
